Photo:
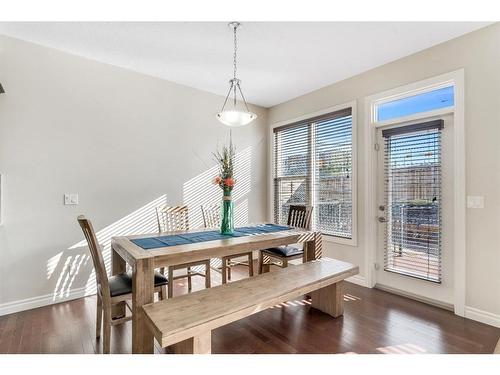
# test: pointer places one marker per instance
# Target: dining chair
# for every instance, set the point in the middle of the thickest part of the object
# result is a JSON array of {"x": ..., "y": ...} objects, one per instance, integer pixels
[
  {"x": 172, "y": 219},
  {"x": 211, "y": 219},
  {"x": 298, "y": 217},
  {"x": 111, "y": 290}
]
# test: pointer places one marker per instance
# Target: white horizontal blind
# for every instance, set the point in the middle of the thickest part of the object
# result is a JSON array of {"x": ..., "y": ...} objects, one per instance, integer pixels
[
  {"x": 332, "y": 190},
  {"x": 291, "y": 169},
  {"x": 313, "y": 166},
  {"x": 413, "y": 200}
]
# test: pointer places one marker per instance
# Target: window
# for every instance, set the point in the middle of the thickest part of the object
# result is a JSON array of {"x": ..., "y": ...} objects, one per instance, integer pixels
[
  {"x": 313, "y": 166},
  {"x": 413, "y": 200},
  {"x": 423, "y": 102}
]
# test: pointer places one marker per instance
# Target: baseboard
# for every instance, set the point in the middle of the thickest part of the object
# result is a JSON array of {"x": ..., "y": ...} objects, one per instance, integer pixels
[
  {"x": 482, "y": 316},
  {"x": 429, "y": 301},
  {"x": 40, "y": 301},
  {"x": 357, "y": 279}
]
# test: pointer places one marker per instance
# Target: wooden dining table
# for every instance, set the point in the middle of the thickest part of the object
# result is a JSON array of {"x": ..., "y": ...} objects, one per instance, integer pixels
[{"x": 143, "y": 263}]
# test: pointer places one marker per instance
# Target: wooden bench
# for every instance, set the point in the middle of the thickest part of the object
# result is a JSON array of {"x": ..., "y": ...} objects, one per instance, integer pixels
[{"x": 185, "y": 322}]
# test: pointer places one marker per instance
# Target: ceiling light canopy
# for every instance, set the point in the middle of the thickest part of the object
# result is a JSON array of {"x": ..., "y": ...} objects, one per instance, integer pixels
[{"x": 233, "y": 116}]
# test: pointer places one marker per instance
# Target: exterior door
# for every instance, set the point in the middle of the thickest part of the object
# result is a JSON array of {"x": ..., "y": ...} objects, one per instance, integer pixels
[{"x": 415, "y": 209}]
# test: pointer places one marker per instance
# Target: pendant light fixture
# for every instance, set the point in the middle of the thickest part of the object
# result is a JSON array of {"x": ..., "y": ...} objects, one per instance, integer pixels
[{"x": 235, "y": 117}]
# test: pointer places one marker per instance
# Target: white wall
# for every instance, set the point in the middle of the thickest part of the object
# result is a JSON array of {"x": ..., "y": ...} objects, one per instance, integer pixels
[
  {"x": 123, "y": 141},
  {"x": 479, "y": 54}
]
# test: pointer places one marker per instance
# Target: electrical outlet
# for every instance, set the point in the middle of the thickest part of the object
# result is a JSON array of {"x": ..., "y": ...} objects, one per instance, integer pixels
[
  {"x": 475, "y": 201},
  {"x": 70, "y": 199}
]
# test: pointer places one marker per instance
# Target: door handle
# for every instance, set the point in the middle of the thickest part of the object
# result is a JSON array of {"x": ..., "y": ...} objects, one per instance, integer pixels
[{"x": 382, "y": 219}]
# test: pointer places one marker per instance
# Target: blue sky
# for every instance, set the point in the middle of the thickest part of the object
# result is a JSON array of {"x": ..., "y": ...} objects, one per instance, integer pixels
[{"x": 436, "y": 99}]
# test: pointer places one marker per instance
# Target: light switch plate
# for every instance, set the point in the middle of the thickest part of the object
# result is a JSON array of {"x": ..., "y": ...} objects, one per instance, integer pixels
[
  {"x": 475, "y": 201},
  {"x": 70, "y": 199}
]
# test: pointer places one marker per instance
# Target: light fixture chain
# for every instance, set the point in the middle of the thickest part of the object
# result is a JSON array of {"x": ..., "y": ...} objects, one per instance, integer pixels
[{"x": 235, "y": 51}]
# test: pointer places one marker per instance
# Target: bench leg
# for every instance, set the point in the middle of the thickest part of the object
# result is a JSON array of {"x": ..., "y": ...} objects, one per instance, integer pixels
[
  {"x": 329, "y": 299},
  {"x": 201, "y": 344}
]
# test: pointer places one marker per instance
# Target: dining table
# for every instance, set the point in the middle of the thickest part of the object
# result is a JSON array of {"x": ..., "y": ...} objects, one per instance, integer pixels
[{"x": 146, "y": 252}]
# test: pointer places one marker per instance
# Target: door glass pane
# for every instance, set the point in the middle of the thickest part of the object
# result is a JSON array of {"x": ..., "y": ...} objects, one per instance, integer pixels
[
  {"x": 413, "y": 201},
  {"x": 428, "y": 101}
]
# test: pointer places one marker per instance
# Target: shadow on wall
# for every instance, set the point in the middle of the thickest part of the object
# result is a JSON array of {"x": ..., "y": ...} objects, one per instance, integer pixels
[
  {"x": 66, "y": 265},
  {"x": 65, "y": 268}
]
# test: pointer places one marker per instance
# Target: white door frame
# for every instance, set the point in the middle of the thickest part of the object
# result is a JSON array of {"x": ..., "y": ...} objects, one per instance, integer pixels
[{"x": 459, "y": 245}]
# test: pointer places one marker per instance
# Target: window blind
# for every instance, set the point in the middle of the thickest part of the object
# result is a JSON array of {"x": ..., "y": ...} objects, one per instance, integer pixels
[
  {"x": 292, "y": 169},
  {"x": 332, "y": 193},
  {"x": 313, "y": 166},
  {"x": 412, "y": 159}
]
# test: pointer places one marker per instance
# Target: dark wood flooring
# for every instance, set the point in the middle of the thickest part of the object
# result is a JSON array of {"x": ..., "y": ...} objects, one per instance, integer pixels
[{"x": 374, "y": 322}]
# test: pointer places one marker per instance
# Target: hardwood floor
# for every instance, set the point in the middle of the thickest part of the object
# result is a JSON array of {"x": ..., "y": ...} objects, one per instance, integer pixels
[{"x": 374, "y": 322}]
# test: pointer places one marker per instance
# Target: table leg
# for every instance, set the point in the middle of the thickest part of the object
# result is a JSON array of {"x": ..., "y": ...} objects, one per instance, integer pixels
[
  {"x": 142, "y": 294},
  {"x": 118, "y": 265},
  {"x": 201, "y": 344},
  {"x": 264, "y": 261},
  {"x": 313, "y": 248},
  {"x": 329, "y": 299}
]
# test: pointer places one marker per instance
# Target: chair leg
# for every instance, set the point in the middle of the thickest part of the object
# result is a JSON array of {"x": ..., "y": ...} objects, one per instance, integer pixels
[
  {"x": 98, "y": 321},
  {"x": 190, "y": 283},
  {"x": 170, "y": 282},
  {"x": 250, "y": 264},
  {"x": 224, "y": 270},
  {"x": 229, "y": 270},
  {"x": 284, "y": 263},
  {"x": 106, "y": 348},
  {"x": 163, "y": 293},
  {"x": 208, "y": 281}
]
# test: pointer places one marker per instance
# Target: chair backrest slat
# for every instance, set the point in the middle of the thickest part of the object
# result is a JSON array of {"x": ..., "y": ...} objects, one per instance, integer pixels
[
  {"x": 300, "y": 217},
  {"x": 95, "y": 252},
  {"x": 211, "y": 215},
  {"x": 172, "y": 218}
]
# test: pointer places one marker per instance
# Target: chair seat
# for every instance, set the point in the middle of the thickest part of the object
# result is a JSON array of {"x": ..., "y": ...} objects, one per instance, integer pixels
[
  {"x": 284, "y": 251},
  {"x": 122, "y": 283}
]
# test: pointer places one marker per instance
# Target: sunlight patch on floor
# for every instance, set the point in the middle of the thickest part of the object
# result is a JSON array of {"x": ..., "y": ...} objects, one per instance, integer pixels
[
  {"x": 402, "y": 349},
  {"x": 350, "y": 297}
]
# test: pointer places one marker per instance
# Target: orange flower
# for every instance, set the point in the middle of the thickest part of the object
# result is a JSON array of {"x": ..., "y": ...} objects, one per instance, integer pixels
[
  {"x": 217, "y": 180},
  {"x": 229, "y": 182}
]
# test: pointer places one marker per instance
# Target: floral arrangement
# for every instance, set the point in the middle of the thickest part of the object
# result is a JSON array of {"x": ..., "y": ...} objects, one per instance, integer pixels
[
  {"x": 225, "y": 179},
  {"x": 225, "y": 160}
]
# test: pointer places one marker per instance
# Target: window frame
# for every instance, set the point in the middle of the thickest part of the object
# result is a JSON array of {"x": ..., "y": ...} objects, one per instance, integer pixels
[
  {"x": 354, "y": 186},
  {"x": 411, "y": 90}
]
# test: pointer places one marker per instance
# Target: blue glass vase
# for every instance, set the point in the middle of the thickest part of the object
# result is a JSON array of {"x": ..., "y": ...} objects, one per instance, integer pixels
[{"x": 227, "y": 214}]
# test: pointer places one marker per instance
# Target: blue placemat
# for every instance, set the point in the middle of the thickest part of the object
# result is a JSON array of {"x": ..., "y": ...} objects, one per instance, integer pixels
[{"x": 188, "y": 238}]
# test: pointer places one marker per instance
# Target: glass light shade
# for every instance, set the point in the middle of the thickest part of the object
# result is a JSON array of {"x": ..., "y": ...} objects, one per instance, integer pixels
[{"x": 236, "y": 118}]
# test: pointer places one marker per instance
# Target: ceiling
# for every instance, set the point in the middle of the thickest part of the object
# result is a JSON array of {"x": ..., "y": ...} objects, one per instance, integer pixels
[{"x": 277, "y": 61}]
